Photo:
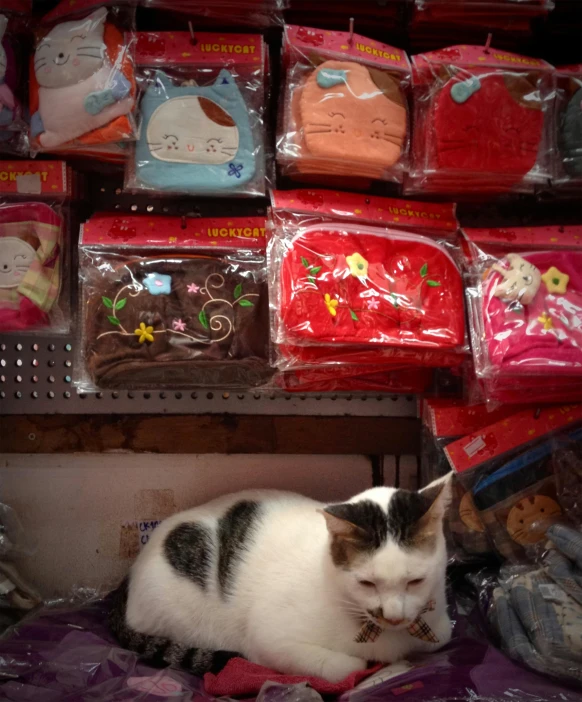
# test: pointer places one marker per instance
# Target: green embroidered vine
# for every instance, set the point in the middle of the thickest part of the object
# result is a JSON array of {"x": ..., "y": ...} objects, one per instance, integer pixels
[
  {"x": 313, "y": 270},
  {"x": 119, "y": 305},
  {"x": 424, "y": 273}
]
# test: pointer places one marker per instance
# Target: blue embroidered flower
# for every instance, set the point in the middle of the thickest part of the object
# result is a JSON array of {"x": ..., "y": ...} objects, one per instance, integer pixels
[{"x": 158, "y": 284}]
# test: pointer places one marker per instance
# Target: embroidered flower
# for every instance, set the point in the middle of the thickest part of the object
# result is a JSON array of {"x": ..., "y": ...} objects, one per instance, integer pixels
[
  {"x": 358, "y": 265},
  {"x": 555, "y": 280},
  {"x": 178, "y": 325},
  {"x": 144, "y": 333},
  {"x": 546, "y": 321},
  {"x": 158, "y": 284},
  {"x": 330, "y": 304},
  {"x": 193, "y": 288},
  {"x": 373, "y": 304}
]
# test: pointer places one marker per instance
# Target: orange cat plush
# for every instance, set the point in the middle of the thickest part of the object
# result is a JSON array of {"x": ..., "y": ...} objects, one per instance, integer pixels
[{"x": 350, "y": 119}]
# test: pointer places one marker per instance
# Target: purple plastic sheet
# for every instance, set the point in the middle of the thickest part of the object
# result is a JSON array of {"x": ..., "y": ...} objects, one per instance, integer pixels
[{"x": 69, "y": 656}]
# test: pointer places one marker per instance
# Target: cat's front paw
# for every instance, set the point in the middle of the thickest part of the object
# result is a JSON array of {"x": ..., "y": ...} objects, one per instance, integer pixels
[
  {"x": 98, "y": 101},
  {"x": 338, "y": 666}
]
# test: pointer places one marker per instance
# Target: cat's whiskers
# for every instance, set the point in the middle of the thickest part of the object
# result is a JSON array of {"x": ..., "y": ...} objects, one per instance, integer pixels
[
  {"x": 90, "y": 48},
  {"x": 90, "y": 56},
  {"x": 318, "y": 131}
]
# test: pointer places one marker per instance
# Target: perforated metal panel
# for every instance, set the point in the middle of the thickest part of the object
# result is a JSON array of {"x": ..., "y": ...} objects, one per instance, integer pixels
[{"x": 36, "y": 378}]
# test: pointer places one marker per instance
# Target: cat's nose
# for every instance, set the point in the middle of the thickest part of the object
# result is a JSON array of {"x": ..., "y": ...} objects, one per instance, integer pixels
[{"x": 395, "y": 622}]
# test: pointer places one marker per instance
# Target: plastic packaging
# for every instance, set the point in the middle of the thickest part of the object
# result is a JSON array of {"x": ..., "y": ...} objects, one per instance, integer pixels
[
  {"x": 82, "y": 83},
  {"x": 202, "y": 114},
  {"x": 482, "y": 122},
  {"x": 568, "y": 161},
  {"x": 508, "y": 467},
  {"x": 70, "y": 652},
  {"x": 344, "y": 111},
  {"x": 344, "y": 316},
  {"x": 34, "y": 248},
  {"x": 537, "y": 611},
  {"x": 525, "y": 308},
  {"x": 173, "y": 302}
]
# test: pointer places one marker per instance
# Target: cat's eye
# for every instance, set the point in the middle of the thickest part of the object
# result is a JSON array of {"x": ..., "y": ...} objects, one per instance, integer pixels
[
  {"x": 367, "y": 583},
  {"x": 382, "y": 121},
  {"x": 527, "y": 279},
  {"x": 213, "y": 139},
  {"x": 335, "y": 114},
  {"x": 415, "y": 583}
]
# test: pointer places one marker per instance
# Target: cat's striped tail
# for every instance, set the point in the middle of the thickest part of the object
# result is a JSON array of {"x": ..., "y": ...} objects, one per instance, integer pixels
[{"x": 158, "y": 651}]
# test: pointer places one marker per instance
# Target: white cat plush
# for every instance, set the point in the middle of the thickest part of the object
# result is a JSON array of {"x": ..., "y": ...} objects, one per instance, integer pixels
[
  {"x": 79, "y": 88},
  {"x": 298, "y": 586}
]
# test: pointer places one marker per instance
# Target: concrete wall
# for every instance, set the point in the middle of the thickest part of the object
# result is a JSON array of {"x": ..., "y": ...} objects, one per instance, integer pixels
[{"x": 88, "y": 514}]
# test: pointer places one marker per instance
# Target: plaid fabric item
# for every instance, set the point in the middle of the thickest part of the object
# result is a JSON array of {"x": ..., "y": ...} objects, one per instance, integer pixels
[
  {"x": 516, "y": 643},
  {"x": 41, "y": 283},
  {"x": 564, "y": 563},
  {"x": 370, "y": 631}
]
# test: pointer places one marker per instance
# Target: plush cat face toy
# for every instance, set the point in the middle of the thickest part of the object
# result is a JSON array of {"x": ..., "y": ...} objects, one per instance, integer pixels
[
  {"x": 71, "y": 52},
  {"x": 194, "y": 138},
  {"x": 346, "y": 115},
  {"x": 16, "y": 257}
]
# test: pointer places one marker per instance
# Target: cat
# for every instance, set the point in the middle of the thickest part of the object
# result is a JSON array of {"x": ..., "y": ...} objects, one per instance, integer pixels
[
  {"x": 16, "y": 257},
  {"x": 290, "y": 583},
  {"x": 79, "y": 88},
  {"x": 194, "y": 138},
  {"x": 7, "y": 101}
]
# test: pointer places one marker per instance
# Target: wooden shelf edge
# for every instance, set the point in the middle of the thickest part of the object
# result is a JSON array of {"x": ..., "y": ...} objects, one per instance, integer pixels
[{"x": 225, "y": 433}]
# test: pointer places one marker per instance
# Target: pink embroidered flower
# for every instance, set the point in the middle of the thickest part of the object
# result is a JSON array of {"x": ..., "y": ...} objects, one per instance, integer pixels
[
  {"x": 178, "y": 325},
  {"x": 193, "y": 288},
  {"x": 373, "y": 304}
]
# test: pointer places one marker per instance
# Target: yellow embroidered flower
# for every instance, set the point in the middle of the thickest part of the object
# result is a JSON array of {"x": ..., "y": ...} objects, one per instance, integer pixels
[
  {"x": 555, "y": 280},
  {"x": 546, "y": 320},
  {"x": 144, "y": 333},
  {"x": 358, "y": 265},
  {"x": 331, "y": 304}
]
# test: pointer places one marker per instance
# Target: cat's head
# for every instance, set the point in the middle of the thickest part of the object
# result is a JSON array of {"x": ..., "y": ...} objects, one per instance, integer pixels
[
  {"x": 388, "y": 551},
  {"x": 193, "y": 128},
  {"x": 71, "y": 52},
  {"x": 351, "y": 111},
  {"x": 16, "y": 256},
  {"x": 3, "y": 63}
]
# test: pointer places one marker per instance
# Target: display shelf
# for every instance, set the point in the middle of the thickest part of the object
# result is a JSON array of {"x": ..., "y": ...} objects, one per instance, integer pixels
[{"x": 42, "y": 412}]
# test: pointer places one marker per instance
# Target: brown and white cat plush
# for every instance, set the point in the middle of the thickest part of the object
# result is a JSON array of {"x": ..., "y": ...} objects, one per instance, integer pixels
[{"x": 298, "y": 586}]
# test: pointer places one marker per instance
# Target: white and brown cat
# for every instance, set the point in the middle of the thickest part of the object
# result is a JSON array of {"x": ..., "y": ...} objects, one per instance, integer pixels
[{"x": 290, "y": 583}]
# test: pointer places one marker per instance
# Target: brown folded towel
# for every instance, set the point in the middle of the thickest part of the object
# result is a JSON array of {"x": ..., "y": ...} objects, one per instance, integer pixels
[{"x": 176, "y": 321}]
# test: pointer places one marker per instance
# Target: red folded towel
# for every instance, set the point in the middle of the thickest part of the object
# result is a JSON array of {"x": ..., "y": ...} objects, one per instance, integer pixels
[{"x": 241, "y": 677}]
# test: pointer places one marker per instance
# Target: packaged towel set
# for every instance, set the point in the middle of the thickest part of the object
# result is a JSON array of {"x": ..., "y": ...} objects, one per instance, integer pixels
[
  {"x": 82, "y": 84},
  {"x": 173, "y": 302},
  {"x": 482, "y": 121},
  {"x": 344, "y": 111},
  {"x": 511, "y": 470},
  {"x": 525, "y": 305},
  {"x": 33, "y": 246},
  {"x": 353, "y": 295},
  {"x": 202, "y": 114}
]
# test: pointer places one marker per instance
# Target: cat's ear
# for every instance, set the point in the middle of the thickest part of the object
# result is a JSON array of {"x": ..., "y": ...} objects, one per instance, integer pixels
[
  {"x": 339, "y": 524},
  {"x": 162, "y": 81},
  {"x": 438, "y": 496},
  {"x": 3, "y": 25},
  {"x": 224, "y": 78},
  {"x": 95, "y": 21}
]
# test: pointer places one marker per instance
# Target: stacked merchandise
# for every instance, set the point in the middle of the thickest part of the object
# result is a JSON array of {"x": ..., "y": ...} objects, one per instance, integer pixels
[
  {"x": 14, "y": 19},
  {"x": 34, "y": 246},
  {"x": 568, "y": 164},
  {"x": 232, "y": 13},
  {"x": 364, "y": 292},
  {"x": 483, "y": 122},
  {"x": 525, "y": 305},
  {"x": 526, "y": 484},
  {"x": 171, "y": 303}
]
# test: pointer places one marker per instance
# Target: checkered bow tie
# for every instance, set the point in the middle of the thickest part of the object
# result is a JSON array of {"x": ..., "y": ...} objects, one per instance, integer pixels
[{"x": 370, "y": 631}]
